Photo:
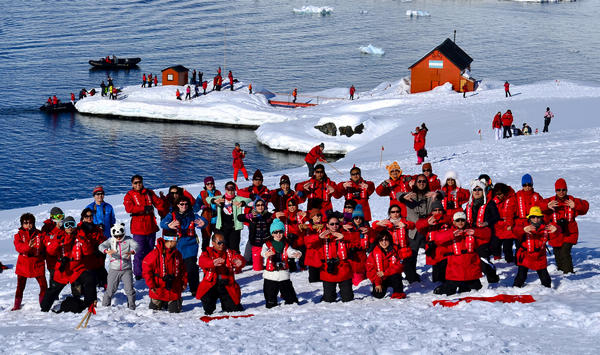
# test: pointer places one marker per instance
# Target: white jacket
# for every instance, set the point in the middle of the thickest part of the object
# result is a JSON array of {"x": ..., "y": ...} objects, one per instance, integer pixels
[{"x": 278, "y": 275}]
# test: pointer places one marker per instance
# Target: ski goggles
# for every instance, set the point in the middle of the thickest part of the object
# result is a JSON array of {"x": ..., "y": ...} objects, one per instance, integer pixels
[
  {"x": 57, "y": 217},
  {"x": 169, "y": 238},
  {"x": 69, "y": 224}
]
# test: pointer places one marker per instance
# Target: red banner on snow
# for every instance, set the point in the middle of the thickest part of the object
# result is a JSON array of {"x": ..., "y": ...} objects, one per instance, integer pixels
[
  {"x": 207, "y": 319},
  {"x": 498, "y": 298}
]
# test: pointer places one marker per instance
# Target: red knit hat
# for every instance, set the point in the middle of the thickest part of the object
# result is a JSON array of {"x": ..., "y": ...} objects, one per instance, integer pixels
[
  {"x": 560, "y": 184},
  {"x": 98, "y": 189}
]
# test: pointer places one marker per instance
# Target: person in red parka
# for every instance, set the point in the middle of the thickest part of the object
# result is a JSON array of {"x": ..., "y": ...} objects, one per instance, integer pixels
[
  {"x": 280, "y": 197},
  {"x": 95, "y": 235},
  {"x": 454, "y": 195},
  {"x": 316, "y": 153},
  {"x": 318, "y": 190},
  {"x": 419, "y": 143},
  {"x": 352, "y": 91},
  {"x": 220, "y": 265},
  {"x": 72, "y": 99},
  {"x": 257, "y": 189},
  {"x": 525, "y": 199},
  {"x": 434, "y": 181},
  {"x": 395, "y": 185},
  {"x": 295, "y": 95},
  {"x": 532, "y": 252},
  {"x": 139, "y": 202},
  {"x": 312, "y": 258},
  {"x": 52, "y": 228},
  {"x": 168, "y": 200},
  {"x": 204, "y": 86},
  {"x": 507, "y": 121},
  {"x": 364, "y": 238},
  {"x": 358, "y": 190},
  {"x": 562, "y": 209},
  {"x": 507, "y": 89},
  {"x": 384, "y": 268},
  {"x": 463, "y": 270},
  {"x": 29, "y": 243},
  {"x": 178, "y": 95},
  {"x": 335, "y": 271},
  {"x": 164, "y": 273},
  {"x": 72, "y": 249},
  {"x": 504, "y": 197},
  {"x": 238, "y": 162},
  {"x": 398, "y": 228},
  {"x": 156, "y": 80},
  {"x": 497, "y": 125},
  {"x": 230, "y": 76},
  {"x": 435, "y": 255}
]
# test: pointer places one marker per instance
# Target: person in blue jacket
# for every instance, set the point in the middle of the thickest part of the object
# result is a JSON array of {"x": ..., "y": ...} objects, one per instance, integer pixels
[
  {"x": 182, "y": 223},
  {"x": 104, "y": 214}
]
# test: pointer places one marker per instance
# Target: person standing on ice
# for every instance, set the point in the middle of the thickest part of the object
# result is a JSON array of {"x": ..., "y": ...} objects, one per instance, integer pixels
[
  {"x": 139, "y": 202},
  {"x": 562, "y": 209},
  {"x": 316, "y": 153},
  {"x": 419, "y": 143},
  {"x": 156, "y": 80},
  {"x": 526, "y": 198},
  {"x": 104, "y": 214},
  {"x": 532, "y": 252},
  {"x": 507, "y": 120},
  {"x": 52, "y": 228},
  {"x": 188, "y": 93},
  {"x": 238, "y": 162},
  {"x": 384, "y": 268},
  {"x": 277, "y": 254},
  {"x": 295, "y": 95},
  {"x": 250, "y": 88},
  {"x": 220, "y": 265},
  {"x": 165, "y": 275},
  {"x": 102, "y": 88},
  {"x": 29, "y": 243},
  {"x": 318, "y": 190},
  {"x": 258, "y": 221},
  {"x": 144, "y": 80},
  {"x": 204, "y": 86},
  {"x": 394, "y": 185},
  {"x": 230, "y": 76},
  {"x": 507, "y": 89},
  {"x": 352, "y": 90},
  {"x": 548, "y": 116},
  {"x": 497, "y": 126},
  {"x": 229, "y": 207},
  {"x": 434, "y": 181}
]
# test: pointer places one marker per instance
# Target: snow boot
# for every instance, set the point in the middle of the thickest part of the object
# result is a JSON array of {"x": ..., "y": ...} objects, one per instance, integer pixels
[
  {"x": 399, "y": 295},
  {"x": 17, "y": 305}
]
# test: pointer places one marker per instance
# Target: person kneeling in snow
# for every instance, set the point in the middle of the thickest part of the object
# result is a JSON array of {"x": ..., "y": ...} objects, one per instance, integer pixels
[
  {"x": 120, "y": 248},
  {"x": 220, "y": 265},
  {"x": 164, "y": 272},
  {"x": 463, "y": 270},
  {"x": 384, "y": 267},
  {"x": 276, "y": 253},
  {"x": 532, "y": 253}
]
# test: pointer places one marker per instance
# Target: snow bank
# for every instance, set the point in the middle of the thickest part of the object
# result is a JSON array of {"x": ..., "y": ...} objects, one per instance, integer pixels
[
  {"x": 417, "y": 13},
  {"x": 371, "y": 49},
  {"x": 236, "y": 108},
  {"x": 310, "y": 10}
]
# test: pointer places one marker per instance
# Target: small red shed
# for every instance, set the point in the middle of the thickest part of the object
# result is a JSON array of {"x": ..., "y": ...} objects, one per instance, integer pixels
[
  {"x": 445, "y": 63},
  {"x": 175, "y": 75}
]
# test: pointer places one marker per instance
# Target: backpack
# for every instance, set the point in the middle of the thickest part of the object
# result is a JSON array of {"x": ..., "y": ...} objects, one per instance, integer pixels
[{"x": 72, "y": 304}]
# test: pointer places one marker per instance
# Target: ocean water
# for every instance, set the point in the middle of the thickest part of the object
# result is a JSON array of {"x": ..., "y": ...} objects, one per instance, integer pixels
[{"x": 45, "y": 46}]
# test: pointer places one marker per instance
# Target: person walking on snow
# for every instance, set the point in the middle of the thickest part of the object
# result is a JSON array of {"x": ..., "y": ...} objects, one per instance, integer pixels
[
  {"x": 507, "y": 89},
  {"x": 548, "y": 116},
  {"x": 188, "y": 91},
  {"x": 295, "y": 94},
  {"x": 238, "y": 162},
  {"x": 352, "y": 90},
  {"x": 120, "y": 249},
  {"x": 316, "y": 153},
  {"x": 419, "y": 143},
  {"x": 230, "y": 75},
  {"x": 144, "y": 80},
  {"x": 507, "y": 120}
]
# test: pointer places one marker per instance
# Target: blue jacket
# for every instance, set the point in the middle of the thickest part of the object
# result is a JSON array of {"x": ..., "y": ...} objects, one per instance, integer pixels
[
  {"x": 104, "y": 215},
  {"x": 187, "y": 243}
]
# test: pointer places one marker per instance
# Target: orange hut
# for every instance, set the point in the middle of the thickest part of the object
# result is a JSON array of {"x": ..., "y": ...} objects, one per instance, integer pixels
[
  {"x": 175, "y": 75},
  {"x": 445, "y": 63}
]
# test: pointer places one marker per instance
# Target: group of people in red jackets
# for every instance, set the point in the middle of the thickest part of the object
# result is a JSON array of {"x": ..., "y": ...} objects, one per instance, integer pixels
[{"x": 462, "y": 231}]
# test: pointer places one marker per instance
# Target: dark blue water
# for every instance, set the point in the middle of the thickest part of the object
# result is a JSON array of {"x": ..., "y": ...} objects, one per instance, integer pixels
[{"x": 45, "y": 46}]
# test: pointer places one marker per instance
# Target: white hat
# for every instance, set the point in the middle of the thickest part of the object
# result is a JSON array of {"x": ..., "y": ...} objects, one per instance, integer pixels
[
  {"x": 459, "y": 215},
  {"x": 478, "y": 183},
  {"x": 451, "y": 174}
]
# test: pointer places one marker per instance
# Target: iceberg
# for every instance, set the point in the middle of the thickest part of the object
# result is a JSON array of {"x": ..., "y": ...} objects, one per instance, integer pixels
[
  {"x": 417, "y": 13},
  {"x": 371, "y": 49},
  {"x": 312, "y": 10}
]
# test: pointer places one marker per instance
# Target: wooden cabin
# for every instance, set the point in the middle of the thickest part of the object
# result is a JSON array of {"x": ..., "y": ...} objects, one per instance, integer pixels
[
  {"x": 175, "y": 75},
  {"x": 446, "y": 63}
]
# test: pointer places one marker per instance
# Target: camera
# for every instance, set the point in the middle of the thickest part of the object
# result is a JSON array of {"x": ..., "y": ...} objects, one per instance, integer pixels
[
  {"x": 332, "y": 266},
  {"x": 563, "y": 223},
  {"x": 64, "y": 261},
  {"x": 450, "y": 205},
  {"x": 168, "y": 279}
]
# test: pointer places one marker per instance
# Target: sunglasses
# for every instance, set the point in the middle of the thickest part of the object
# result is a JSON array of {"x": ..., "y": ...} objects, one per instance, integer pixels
[
  {"x": 355, "y": 174},
  {"x": 88, "y": 216},
  {"x": 561, "y": 190},
  {"x": 478, "y": 189},
  {"x": 220, "y": 242},
  {"x": 27, "y": 222},
  {"x": 530, "y": 185},
  {"x": 333, "y": 224},
  {"x": 99, "y": 194},
  {"x": 348, "y": 207},
  {"x": 394, "y": 211},
  {"x": 357, "y": 217},
  {"x": 70, "y": 225},
  {"x": 319, "y": 172},
  {"x": 230, "y": 188},
  {"x": 210, "y": 183},
  {"x": 429, "y": 170},
  {"x": 421, "y": 181},
  {"x": 57, "y": 216},
  {"x": 257, "y": 179},
  {"x": 277, "y": 232},
  {"x": 183, "y": 204},
  {"x": 460, "y": 220},
  {"x": 136, "y": 182},
  {"x": 384, "y": 240},
  {"x": 395, "y": 171},
  {"x": 260, "y": 205}
]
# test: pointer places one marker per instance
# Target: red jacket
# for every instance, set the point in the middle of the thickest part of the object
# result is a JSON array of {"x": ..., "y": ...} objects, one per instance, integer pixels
[
  {"x": 293, "y": 233},
  {"x": 95, "y": 237},
  {"x": 315, "y": 154},
  {"x": 279, "y": 199},
  {"x": 497, "y": 122},
  {"x": 569, "y": 231},
  {"x": 30, "y": 262},
  {"x": 318, "y": 190},
  {"x": 159, "y": 263},
  {"x": 142, "y": 223},
  {"x": 506, "y": 86},
  {"x": 393, "y": 190},
  {"x": 252, "y": 192},
  {"x": 443, "y": 222},
  {"x": 50, "y": 231},
  {"x": 434, "y": 183},
  {"x": 524, "y": 200},
  {"x": 463, "y": 261},
  {"x": 224, "y": 272},
  {"x": 362, "y": 242},
  {"x": 312, "y": 256},
  {"x": 387, "y": 262},
  {"x": 532, "y": 253},
  {"x": 419, "y": 141},
  {"x": 357, "y": 193},
  {"x": 204, "y": 84},
  {"x": 507, "y": 209},
  {"x": 399, "y": 236},
  {"x": 238, "y": 156},
  {"x": 458, "y": 196},
  {"x": 507, "y": 119},
  {"x": 352, "y": 90},
  {"x": 76, "y": 249},
  {"x": 329, "y": 250}
]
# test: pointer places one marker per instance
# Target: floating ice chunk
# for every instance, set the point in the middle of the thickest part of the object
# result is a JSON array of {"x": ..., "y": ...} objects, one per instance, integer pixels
[
  {"x": 322, "y": 10},
  {"x": 371, "y": 49},
  {"x": 417, "y": 13},
  {"x": 363, "y": 12}
]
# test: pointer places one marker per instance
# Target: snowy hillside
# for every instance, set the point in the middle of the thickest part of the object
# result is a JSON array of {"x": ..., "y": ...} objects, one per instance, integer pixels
[{"x": 564, "y": 319}]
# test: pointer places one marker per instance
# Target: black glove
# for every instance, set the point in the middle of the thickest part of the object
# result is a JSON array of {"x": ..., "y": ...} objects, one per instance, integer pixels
[
  {"x": 430, "y": 250},
  {"x": 450, "y": 205},
  {"x": 87, "y": 227}
]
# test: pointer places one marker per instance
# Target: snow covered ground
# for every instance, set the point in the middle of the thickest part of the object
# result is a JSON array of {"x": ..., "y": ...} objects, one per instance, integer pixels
[{"x": 564, "y": 319}]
